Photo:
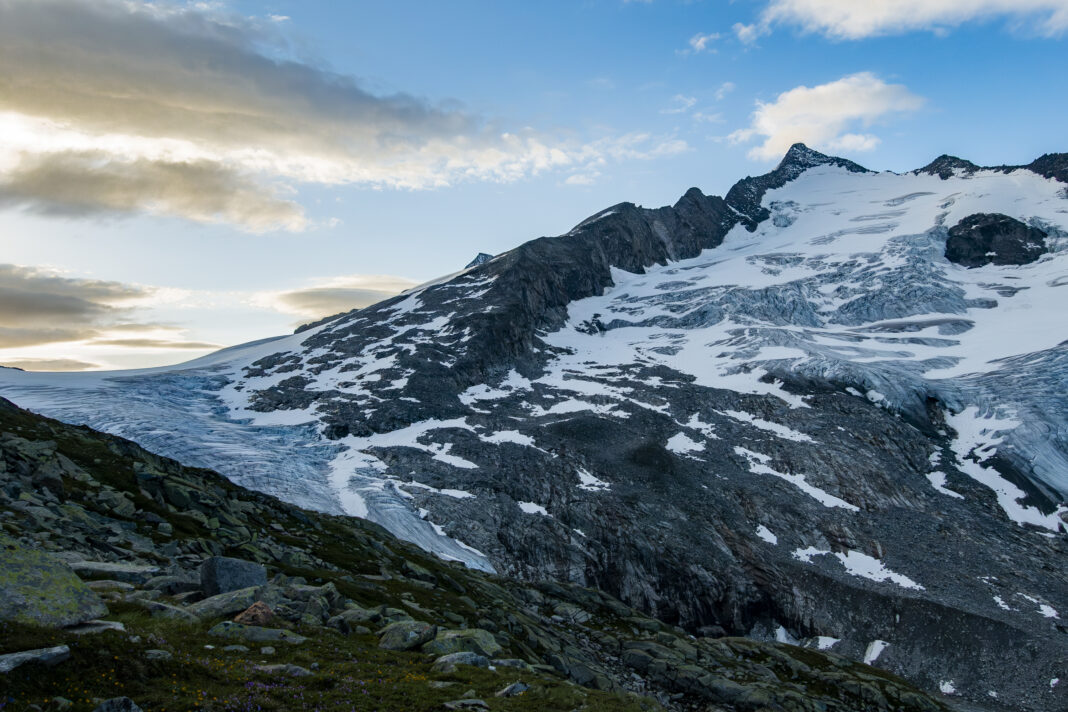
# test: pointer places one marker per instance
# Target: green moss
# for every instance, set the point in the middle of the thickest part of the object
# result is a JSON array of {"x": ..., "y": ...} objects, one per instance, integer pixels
[{"x": 353, "y": 674}]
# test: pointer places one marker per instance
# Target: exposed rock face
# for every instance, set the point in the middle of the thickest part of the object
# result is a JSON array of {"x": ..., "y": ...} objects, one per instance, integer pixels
[
  {"x": 548, "y": 631},
  {"x": 38, "y": 588},
  {"x": 765, "y": 415},
  {"x": 994, "y": 239}
]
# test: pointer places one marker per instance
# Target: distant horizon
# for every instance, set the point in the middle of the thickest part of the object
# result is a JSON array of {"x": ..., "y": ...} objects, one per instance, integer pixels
[{"x": 179, "y": 177}]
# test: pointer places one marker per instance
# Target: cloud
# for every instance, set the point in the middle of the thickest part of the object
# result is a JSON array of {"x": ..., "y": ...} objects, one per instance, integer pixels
[
  {"x": 714, "y": 118},
  {"x": 748, "y": 34},
  {"x": 823, "y": 116},
  {"x": 703, "y": 42},
  {"x": 84, "y": 183},
  {"x": 333, "y": 296},
  {"x": 50, "y": 364},
  {"x": 724, "y": 89},
  {"x": 183, "y": 110},
  {"x": 39, "y": 307},
  {"x": 582, "y": 178},
  {"x": 852, "y": 20},
  {"x": 682, "y": 104},
  {"x": 155, "y": 344}
]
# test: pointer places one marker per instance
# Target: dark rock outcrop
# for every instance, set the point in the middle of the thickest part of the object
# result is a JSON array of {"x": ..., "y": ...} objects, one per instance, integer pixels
[{"x": 994, "y": 239}]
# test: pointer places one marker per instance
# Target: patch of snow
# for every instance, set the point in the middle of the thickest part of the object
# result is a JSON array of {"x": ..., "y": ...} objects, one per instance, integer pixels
[
  {"x": 779, "y": 430},
  {"x": 874, "y": 650},
  {"x": 454, "y": 493},
  {"x": 507, "y": 436},
  {"x": 825, "y": 642},
  {"x": 938, "y": 481},
  {"x": 860, "y": 564},
  {"x": 680, "y": 444},
  {"x": 764, "y": 533},
  {"x": 757, "y": 466},
  {"x": 783, "y": 636},
  {"x": 531, "y": 508},
  {"x": 947, "y": 687},
  {"x": 590, "y": 483}
]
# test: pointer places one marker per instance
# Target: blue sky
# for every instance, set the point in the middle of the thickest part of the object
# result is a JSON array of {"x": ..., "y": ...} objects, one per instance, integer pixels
[{"x": 179, "y": 175}]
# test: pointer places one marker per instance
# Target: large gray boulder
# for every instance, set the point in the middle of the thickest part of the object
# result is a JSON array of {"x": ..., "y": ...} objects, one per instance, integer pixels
[
  {"x": 406, "y": 635},
  {"x": 44, "y": 656},
  {"x": 221, "y": 574},
  {"x": 37, "y": 588}
]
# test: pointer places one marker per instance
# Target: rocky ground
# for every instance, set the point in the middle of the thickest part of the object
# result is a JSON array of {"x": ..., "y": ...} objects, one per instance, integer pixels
[{"x": 128, "y": 581}]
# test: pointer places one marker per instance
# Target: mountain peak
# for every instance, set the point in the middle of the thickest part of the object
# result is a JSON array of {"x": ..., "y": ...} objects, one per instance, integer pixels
[
  {"x": 480, "y": 259},
  {"x": 946, "y": 166}
]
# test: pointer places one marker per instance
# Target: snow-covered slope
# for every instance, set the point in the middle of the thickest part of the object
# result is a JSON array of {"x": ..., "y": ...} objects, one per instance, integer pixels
[{"x": 794, "y": 413}]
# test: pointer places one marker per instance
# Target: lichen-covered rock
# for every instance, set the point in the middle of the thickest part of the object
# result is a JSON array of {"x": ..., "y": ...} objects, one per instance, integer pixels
[
  {"x": 473, "y": 640},
  {"x": 37, "y": 588},
  {"x": 448, "y": 663},
  {"x": 226, "y": 604},
  {"x": 406, "y": 635},
  {"x": 255, "y": 634}
]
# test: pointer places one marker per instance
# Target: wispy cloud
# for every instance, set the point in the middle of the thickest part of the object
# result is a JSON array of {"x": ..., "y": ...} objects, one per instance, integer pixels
[
  {"x": 681, "y": 104},
  {"x": 852, "y": 20},
  {"x": 125, "y": 106},
  {"x": 333, "y": 296},
  {"x": 826, "y": 116},
  {"x": 702, "y": 42},
  {"x": 724, "y": 89}
]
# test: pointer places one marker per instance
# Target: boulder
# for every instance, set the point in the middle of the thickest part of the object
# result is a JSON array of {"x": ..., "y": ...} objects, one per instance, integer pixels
[
  {"x": 473, "y": 640},
  {"x": 37, "y": 588},
  {"x": 221, "y": 574},
  {"x": 255, "y": 634},
  {"x": 44, "y": 656},
  {"x": 259, "y": 613},
  {"x": 226, "y": 604},
  {"x": 166, "y": 611},
  {"x": 406, "y": 635},
  {"x": 351, "y": 620},
  {"x": 448, "y": 663},
  {"x": 96, "y": 626},
  {"x": 128, "y": 573},
  {"x": 513, "y": 690}
]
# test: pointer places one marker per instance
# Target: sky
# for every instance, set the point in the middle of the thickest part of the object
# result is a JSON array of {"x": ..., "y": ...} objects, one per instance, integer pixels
[{"x": 180, "y": 176}]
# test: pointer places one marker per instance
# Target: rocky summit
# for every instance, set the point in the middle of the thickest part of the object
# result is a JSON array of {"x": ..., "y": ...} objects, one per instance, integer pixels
[{"x": 825, "y": 413}]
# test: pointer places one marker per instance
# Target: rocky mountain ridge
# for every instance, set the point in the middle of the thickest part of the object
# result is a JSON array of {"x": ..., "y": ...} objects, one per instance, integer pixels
[
  {"x": 791, "y": 414},
  {"x": 112, "y": 570}
]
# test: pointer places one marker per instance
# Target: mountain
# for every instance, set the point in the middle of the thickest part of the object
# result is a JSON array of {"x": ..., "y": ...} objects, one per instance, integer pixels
[
  {"x": 828, "y": 408},
  {"x": 480, "y": 259},
  {"x": 143, "y": 536}
]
